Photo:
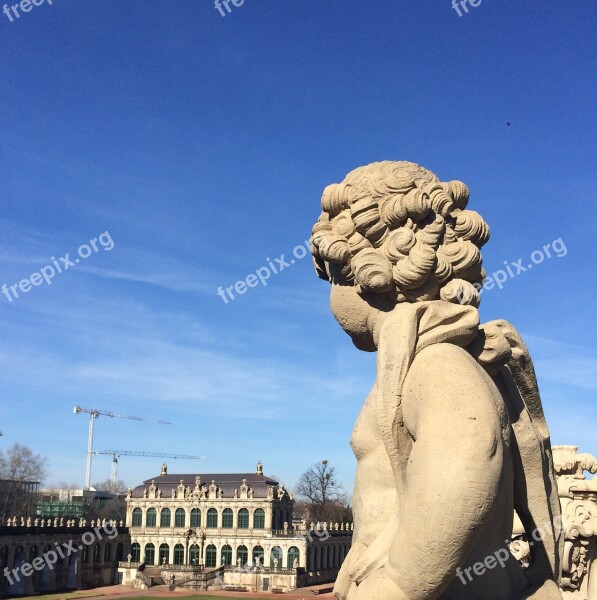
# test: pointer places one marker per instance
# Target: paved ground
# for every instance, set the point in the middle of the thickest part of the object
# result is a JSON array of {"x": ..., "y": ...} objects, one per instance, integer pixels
[{"x": 121, "y": 591}]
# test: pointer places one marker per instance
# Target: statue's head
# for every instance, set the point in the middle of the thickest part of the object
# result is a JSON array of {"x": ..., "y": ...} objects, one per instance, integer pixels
[{"x": 392, "y": 232}]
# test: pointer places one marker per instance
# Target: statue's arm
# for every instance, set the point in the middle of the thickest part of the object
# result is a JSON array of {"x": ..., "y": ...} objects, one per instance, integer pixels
[{"x": 453, "y": 472}]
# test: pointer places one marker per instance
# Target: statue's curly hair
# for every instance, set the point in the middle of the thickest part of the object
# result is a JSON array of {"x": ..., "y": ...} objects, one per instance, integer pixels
[{"x": 395, "y": 228}]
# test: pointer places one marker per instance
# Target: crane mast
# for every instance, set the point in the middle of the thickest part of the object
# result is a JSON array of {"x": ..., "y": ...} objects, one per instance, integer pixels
[{"x": 94, "y": 414}]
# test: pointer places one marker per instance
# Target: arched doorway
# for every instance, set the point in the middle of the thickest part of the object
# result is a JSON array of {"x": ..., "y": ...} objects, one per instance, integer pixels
[
  {"x": 179, "y": 554},
  {"x": 149, "y": 554},
  {"x": 294, "y": 554},
  {"x": 242, "y": 554},
  {"x": 275, "y": 558},
  {"x": 257, "y": 556},
  {"x": 211, "y": 556},
  {"x": 194, "y": 555},
  {"x": 135, "y": 552},
  {"x": 164, "y": 556},
  {"x": 226, "y": 555}
]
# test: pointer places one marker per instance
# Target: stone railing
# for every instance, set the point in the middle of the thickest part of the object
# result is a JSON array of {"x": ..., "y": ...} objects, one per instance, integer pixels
[
  {"x": 123, "y": 564},
  {"x": 578, "y": 497},
  {"x": 289, "y": 533},
  {"x": 194, "y": 568},
  {"x": 56, "y": 523},
  {"x": 199, "y": 578},
  {"x": 331, "y": 528},
  {"x": 147, "y": 581}
]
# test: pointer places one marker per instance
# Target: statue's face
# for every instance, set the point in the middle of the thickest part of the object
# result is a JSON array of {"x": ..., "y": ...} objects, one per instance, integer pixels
[{"x": 359, "y": 314}]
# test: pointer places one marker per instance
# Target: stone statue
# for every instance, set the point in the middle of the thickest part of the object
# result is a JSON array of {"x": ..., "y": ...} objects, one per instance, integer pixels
[{"x": 452, "y": 438}]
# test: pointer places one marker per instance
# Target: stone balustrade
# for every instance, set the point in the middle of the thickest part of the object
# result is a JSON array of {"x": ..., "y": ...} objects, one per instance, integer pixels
[{"x": 56, "y": 523}]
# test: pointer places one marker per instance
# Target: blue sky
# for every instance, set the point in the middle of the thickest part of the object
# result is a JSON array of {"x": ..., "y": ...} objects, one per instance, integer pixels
[{"x": 202, "y": 143}]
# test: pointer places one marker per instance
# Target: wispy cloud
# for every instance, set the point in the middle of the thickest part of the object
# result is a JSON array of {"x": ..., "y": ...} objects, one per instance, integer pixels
[
  {"x": 127, "y": 263},
  {"x": 128, "y": 350},
  {"x": 567, "y": 364},
  {"x": 180, "y": 280}
]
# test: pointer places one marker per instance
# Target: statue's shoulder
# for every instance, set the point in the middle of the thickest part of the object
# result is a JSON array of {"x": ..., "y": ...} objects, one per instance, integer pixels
[
  {"x": 443, "y": 361},
  {"x": 444, "y": 377}
]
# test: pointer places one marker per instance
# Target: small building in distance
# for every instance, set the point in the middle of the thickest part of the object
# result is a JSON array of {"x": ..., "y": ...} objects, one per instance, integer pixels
[
  {"x": 17, "y": 498},
  {"x": 226, "y": 531},
  {"x": 71, "y": 503}
]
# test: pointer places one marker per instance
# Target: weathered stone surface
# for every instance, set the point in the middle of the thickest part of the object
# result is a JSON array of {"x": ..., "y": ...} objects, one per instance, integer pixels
[
  {"x": 578, "y": 496},
  {"x": 452, "y": 438}
]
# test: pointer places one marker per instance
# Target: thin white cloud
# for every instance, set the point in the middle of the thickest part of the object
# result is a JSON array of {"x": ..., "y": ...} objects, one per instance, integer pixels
[
  {"x": 127, "y": 350},
  {"x": 126, "y": 263},
  {"x": 567, "y": 364},
  {"x": 177, "y": 282}
]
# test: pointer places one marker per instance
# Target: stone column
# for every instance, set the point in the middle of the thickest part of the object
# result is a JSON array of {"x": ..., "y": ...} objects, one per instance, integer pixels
[{"x": 303, "y": 555}]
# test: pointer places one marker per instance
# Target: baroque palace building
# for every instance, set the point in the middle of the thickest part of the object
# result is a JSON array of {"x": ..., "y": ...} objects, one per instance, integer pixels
[
  {"x": 239, "y": 529},
  {"x": 234, "y": 522}
]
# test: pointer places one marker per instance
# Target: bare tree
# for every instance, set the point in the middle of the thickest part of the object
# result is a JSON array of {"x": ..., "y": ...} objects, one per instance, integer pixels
[
  {"x": 118, "y": 487},
  {"x": 321, "y": 495},
  {"x": 112, "y": 507},
  {"x": 20, "y": 468}
]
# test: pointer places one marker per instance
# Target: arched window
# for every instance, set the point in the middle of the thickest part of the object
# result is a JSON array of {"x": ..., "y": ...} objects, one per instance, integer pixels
[
  {"x": 4, "y": 557},
  {"x": 84, "y": 554},
  {"x": 194, "y": 555},
  {"x": 107, "y": 553},
  {"x": 212, "y": 518},
  {"x": 119, "y": 552},
  {"x": 20, "y": 556},
  {"x": 211, "y": 556},
  {"x": 293, "y": 554},
  {"x": 226, "y": 555},
  {"x": 259, "y": 519},
  {"x": 136, "y": 552},
  {"x": 276, "y": 553},
  {"x": 180, "y": 518},
  {"x": 179, "y": 554},
  {"x": 227, "y": 519},
  {"x": 149, "y": 554},
  {"x": 165, "y": 517},
  {"x": 242, "y": 554},
  {"x": 164, "y": 555},
  {"x": 32, "y": 553},
  {"x": 243, "y": 518},
  {"x": 150, "y": 518},
  {"x": 195, "y": 518},
  {"x": 257, "y": 556},
  {"x": 96, "y": 554},
  {"x": 137, "y": 517}
]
